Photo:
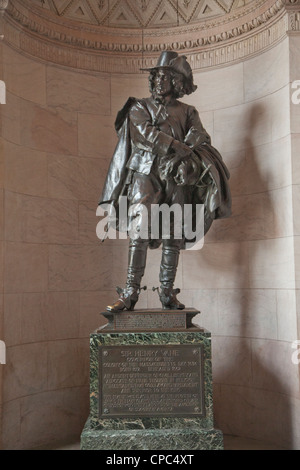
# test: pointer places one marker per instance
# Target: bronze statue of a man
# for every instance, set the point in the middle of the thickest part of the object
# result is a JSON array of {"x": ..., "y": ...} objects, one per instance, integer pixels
[{"x": 164, "y": 155}]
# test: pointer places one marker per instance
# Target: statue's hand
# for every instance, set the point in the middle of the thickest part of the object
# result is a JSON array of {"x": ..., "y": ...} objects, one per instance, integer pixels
[
  {"x": 181, "y": 150},
  {"x": 171, "y": 164},
  {"x": 187, "y": 172}
]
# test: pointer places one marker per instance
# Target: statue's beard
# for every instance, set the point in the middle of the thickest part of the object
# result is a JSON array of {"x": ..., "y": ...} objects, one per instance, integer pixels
[{"x": 159, "y": 98}]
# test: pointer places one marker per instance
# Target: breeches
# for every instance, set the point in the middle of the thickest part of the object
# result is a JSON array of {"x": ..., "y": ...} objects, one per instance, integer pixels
[{"x": 147, "y": 216}]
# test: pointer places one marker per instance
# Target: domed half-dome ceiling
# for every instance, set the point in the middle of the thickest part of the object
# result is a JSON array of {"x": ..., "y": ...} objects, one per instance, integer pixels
[
  {"x": 141, "y": 13},
  {"x": 123, "y": 35}
]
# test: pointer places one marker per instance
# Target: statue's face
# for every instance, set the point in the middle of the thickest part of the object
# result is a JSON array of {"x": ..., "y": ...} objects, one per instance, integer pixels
[{"x": 162, "y": 83}]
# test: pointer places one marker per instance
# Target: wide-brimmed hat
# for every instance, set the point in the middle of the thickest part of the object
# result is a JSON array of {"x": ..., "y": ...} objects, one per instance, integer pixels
[{"x": 170, "y": 60}]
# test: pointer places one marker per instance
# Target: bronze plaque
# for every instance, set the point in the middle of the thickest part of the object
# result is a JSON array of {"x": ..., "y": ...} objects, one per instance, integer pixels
[{"x": 151, "y": 380}]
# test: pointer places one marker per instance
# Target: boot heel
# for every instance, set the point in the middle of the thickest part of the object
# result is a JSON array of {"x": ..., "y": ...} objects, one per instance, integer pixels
[{"x": 168, "y": 298}]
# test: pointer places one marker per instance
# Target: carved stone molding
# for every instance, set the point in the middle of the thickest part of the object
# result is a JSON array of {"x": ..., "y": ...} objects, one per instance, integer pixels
[
  {"x": 213, "y": 42},
  {"x": 293, "y": 9},
  {"x": 3, "y": 6},
  {"x": 141, "y": 13}
]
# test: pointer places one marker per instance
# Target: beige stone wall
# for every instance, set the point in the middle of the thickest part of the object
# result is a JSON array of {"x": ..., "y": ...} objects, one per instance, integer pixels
[
  {"x": 246, "y": 268},
  {"x": 244, "y": 278},
  {"x": 55, "y": 269},
  {"x": 1, "y": 258},
  {"x": 58, "y": 138}
]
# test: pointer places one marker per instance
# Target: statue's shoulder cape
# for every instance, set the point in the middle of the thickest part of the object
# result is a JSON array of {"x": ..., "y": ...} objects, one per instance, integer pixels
[{"x": 117, "y": 172}]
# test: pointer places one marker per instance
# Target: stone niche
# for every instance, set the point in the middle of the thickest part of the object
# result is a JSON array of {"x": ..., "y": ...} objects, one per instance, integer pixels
[{"x": 69, "y": 66}]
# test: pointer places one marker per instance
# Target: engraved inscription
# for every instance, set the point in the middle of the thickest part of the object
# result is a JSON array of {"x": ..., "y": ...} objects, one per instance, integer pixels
[
  {"x": 150, "y": 321},
  {"x": 151, "y": 380}
]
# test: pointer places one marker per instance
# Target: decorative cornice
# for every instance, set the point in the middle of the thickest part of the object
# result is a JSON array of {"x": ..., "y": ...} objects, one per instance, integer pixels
[
  {"x": 293, "y": 9},
  {"x": 3, "y": 6},
  {"x": 98, "y": 48},
  {"x": 141, "y": 13}
]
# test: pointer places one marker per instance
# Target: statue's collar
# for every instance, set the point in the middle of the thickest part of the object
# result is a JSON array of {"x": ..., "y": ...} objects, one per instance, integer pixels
[{"x": 158, "y": 100}]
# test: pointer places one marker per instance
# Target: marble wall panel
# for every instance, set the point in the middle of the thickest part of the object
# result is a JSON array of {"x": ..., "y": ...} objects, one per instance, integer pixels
[
  {"x": 271, "y": 263},
  {"x": 294, "y": 66},
  {"x": 88, "y": 221},
  {"x": 236, "y": 163},
  {"x": 295, "y": 423},
  {"x": 11, "y": 118},
  {"x": 34, "y": 219},
  {"x": 91, "y": 305},
  {"x": 47, "y": 129},
  {"x": 1, "y": 159},
  {"x": 272, "y": 362},
  {"x": 296, "y": 207},
  {"x": 12, "y": 318},
  {"x": 79, "y": 268},
  {"x": 228, "y": 260},
  {"x": 281, "y": 119},
  {"x": 243, "y": 126},
  {"x": 96, "y": 135},
  {"x": 12, "y": 424},
  {"x": 232, "y": 361},
  {"x": 26, "y": 370},
  {"x": 26, "y": 267},
  {"x": 76, "y": 178},
  {"x": 286, "y": 310},
  {"x": 267, "y": 72},
  {"x": 206, "y": 300},
  {"x": 297, "y": 260},
  {"x": 267, "y": 414},
  {"x": 248, "y": 313},
  {"x": 53, "y": 315},
  {"x": 53, "y": 417},
  {"x": 268, "y": 166},
  {"x": 297, "y": 330},
  {"x": 256, "y": 216},
  {"x": 1, "y": 214},
  {"x": 1, "y": 57},
  {"x": 295, "y": 150},
  {"x": 25, "y": 170},
  {"x": 207, "y": 119},
  {"x": 78, "y": 92},
  {"x": 124, "y": 86},
  {"x": 68, "y": 363},
  {"x": 252, "y": 124},
  {"x": 24, "y": 77},
  {"x": 219, "y": 88}
]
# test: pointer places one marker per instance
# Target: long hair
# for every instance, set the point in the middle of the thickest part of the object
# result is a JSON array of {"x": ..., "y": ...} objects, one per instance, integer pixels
[{"x": 179, "y": 85}]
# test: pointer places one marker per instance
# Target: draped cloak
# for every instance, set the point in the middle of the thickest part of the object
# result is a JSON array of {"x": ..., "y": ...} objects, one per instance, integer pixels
[{"x": 145, "y": 129}]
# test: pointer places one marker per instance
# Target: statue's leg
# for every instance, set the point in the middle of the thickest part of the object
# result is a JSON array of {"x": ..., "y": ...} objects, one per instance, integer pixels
[
  {"x": 142, "y": 193},
  {"x": 168, "y": 269},
  {"x": 136, "y": 267}
]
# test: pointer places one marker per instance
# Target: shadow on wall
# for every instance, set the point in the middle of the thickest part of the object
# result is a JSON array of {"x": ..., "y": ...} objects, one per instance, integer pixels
[{"x": 251, "y": 398}]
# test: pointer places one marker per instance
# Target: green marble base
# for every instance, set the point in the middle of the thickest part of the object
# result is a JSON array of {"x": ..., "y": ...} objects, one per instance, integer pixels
[
  {"x": 151, "y": 439},
  {"x": 147, "y": 424}
]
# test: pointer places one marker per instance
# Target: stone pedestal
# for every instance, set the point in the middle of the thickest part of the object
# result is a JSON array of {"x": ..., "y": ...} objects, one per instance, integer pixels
[{"x": 151, "y": 384}]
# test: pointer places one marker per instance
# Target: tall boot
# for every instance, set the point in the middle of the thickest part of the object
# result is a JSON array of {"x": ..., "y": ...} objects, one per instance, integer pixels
[
  {"x": 168, "y": 268},
  {"x": 136, "y": 267}
]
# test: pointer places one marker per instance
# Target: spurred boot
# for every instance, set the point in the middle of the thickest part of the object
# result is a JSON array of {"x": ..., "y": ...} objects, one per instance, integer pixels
[
  {"x": 136, "y": 267},
  {"x": 168, "y": 268}
]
